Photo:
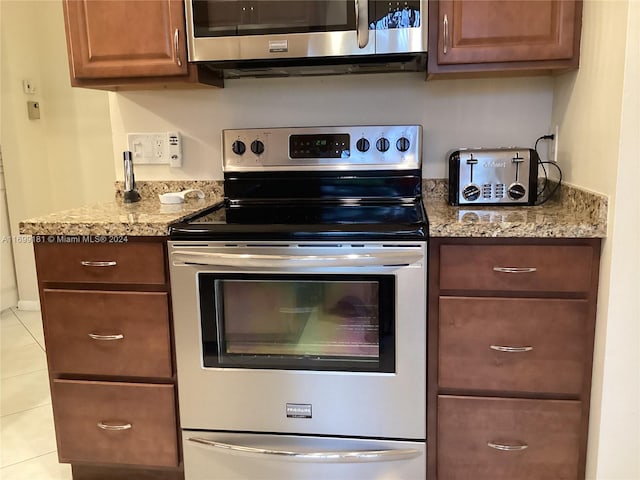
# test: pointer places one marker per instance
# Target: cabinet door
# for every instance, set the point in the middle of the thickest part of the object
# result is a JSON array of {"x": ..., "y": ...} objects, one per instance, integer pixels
[
  {"x": 94, "y": 332},
  {"x": 125, "y": 38},
  {"x": 483, "y": 438},
  {"x": 529, "y": 345},
  {"x": 115, "y": 423},
  {"x": 484, "y": 31},
  {"x": 512, "y": 268},
  {"x": 132, "y": 263}
]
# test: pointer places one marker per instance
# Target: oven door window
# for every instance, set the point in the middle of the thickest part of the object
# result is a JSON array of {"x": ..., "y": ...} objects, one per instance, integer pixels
[
  {"x": 224, "y": 18},
  {"x": 298, "y": 322}
]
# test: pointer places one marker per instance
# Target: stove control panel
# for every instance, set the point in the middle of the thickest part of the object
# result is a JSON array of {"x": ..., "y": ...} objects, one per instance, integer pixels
[{"x": 368, "y": 147}]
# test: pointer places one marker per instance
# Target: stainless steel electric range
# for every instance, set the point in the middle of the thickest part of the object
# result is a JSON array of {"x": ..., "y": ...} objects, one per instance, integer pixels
[{"x": 300, "y": 309}]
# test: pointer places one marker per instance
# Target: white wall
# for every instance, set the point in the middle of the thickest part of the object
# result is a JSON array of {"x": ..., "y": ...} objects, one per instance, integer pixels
[
  {"x": 454, "y": 113},
  {"x": 598, "y": 109},
  {"x": 64, "y": 159}
]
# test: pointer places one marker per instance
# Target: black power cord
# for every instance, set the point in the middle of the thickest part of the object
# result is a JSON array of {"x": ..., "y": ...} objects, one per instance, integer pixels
[{"x": 546, "y": 176}]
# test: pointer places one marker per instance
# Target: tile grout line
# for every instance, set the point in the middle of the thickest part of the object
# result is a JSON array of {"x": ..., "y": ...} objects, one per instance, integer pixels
[
  {"x": 27, "y": 328},
  {"x": 22, "y": 373},
  {"x": 27, "y": 409},
  {"x": 28, "y": 459}
]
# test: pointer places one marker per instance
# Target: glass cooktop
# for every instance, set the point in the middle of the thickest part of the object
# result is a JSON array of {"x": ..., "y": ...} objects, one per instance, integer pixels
[{"x": 308, "y": 220}]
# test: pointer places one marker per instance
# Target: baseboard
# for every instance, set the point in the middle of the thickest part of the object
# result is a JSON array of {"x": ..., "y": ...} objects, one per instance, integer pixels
[{"x": 32, "y": 305}]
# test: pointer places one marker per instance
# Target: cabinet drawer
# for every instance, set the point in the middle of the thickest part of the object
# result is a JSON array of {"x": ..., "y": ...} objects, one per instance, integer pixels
[
  {"x": 129, "y": 263},
  {"x": 512, "y": 344},
  {"x": 108, "y": 333},
  {"x": 532, "y": 439},
  {"x": 550, "y": 268},
  {"x": 122, "y": 423}
]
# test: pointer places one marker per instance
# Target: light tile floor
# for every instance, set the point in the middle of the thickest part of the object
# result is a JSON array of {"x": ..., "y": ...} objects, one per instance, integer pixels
[{"x": 27, "y": 437}]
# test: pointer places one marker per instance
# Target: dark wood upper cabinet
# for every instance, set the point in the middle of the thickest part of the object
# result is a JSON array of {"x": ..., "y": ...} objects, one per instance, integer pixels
[
  {"x": 503, "y": 35},
  {"x": 129, "y": 43}
]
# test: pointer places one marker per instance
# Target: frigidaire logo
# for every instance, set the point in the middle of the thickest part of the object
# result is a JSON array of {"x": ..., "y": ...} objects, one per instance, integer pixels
[
  {"x": 494, "y": 164},
  {"x": 299, "y": 410}
]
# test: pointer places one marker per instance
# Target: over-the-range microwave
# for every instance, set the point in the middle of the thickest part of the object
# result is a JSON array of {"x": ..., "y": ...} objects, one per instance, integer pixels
[{"x": 264, "y": 30}]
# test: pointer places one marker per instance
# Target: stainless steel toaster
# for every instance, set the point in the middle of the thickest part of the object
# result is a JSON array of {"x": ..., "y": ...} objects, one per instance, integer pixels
[{"x": 493, "y": 176}]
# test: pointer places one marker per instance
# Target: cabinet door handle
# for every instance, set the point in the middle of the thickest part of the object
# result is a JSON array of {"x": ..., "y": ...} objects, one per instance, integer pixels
[
  {"x": 176, "y": 36},
  {"x": 95, "y": 336},
  {"x": 114, "y": 427},
  {"x": 91, "y": 263},
  {"x": 515, "y": 269},
  {"x": 508, "y": 448},
  {"x": 503, "y": 348},
  {"x": 362, "y": 23},
  {"x": 445, "y": 30}
]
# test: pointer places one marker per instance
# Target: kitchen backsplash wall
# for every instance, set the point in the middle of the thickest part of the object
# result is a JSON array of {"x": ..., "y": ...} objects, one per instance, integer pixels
[{"x": 454, "y": 113}]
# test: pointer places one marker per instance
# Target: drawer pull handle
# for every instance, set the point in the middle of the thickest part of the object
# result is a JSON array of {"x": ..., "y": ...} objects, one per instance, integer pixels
[
  {"x": 502, "y": 348},
  {"x": 91, "y": 263},
  {"x": 95, "y": 336},
  {"x": 515, "y": 269},
  {"x": 114, "y": 427},
  {"x": 508, "y": 448}
]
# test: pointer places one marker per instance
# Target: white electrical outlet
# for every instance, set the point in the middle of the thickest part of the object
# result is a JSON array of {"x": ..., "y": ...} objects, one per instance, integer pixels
[
  {"x": 156, "y": 148},
  {"x": 552, "y": 145}
]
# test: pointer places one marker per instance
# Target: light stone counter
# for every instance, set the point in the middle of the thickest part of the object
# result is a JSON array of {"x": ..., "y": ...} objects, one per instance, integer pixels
[
  {"x": 573, "y": 214},
  {"x": 148, "y": 217}
]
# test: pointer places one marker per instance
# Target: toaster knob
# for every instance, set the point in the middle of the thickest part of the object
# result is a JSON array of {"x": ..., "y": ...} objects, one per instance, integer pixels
[
  {"x": 238, "y": 147},
  {"x": 257, "y": 147},
  {"x": 471, "y": 192},
  {"x": 382, "y": 144},
  {"x": 516, "y": 191},
  {"x": 362, "y": 145}
]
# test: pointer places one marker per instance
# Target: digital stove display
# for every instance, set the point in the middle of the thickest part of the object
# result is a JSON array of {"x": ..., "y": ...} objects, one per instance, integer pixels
[{"x": 319, "y": 146}]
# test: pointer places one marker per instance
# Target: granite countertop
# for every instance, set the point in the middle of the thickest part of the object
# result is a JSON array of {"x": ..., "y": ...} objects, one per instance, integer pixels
[
  {"x": 573, "y": 214},
  {"x": 148, "y": 217}
]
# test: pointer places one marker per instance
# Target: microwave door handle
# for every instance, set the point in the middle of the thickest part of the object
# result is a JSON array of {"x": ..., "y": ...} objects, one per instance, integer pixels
[
  {"x": 362, "y": 22},
  {"x": 250, "y": 260},
  {"x": 336, "y": 456}
]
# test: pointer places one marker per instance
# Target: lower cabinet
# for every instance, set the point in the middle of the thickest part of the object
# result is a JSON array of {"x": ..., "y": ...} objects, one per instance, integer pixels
[
  {"x": 108, "y": 335},
  {"x": 508, "y": 438},
  {"x": 511, "y": 330},
  {"x": 115, "y": 422}
]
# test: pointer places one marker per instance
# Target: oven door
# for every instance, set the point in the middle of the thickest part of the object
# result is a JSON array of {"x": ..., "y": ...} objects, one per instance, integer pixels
[{"x": 301, "y": 338}]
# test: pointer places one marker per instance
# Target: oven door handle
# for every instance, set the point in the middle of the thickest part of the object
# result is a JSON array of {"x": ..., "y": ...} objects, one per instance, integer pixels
[
  {"x": 336, "y": 456},
  {"x": 253, "y": 260}
]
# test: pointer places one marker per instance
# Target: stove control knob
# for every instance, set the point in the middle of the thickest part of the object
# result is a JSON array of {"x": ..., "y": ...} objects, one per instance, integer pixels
[
  {"x": 471, "y": 192},
  {"x": 362, "y": 145},
  {"x": 238, "y": 147},
  {"x": 257, "y": 147},
  {"x": 403, "y": 144},
  {"x": 382, "y": 144},
  {"x": 516, "y": 191}
]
